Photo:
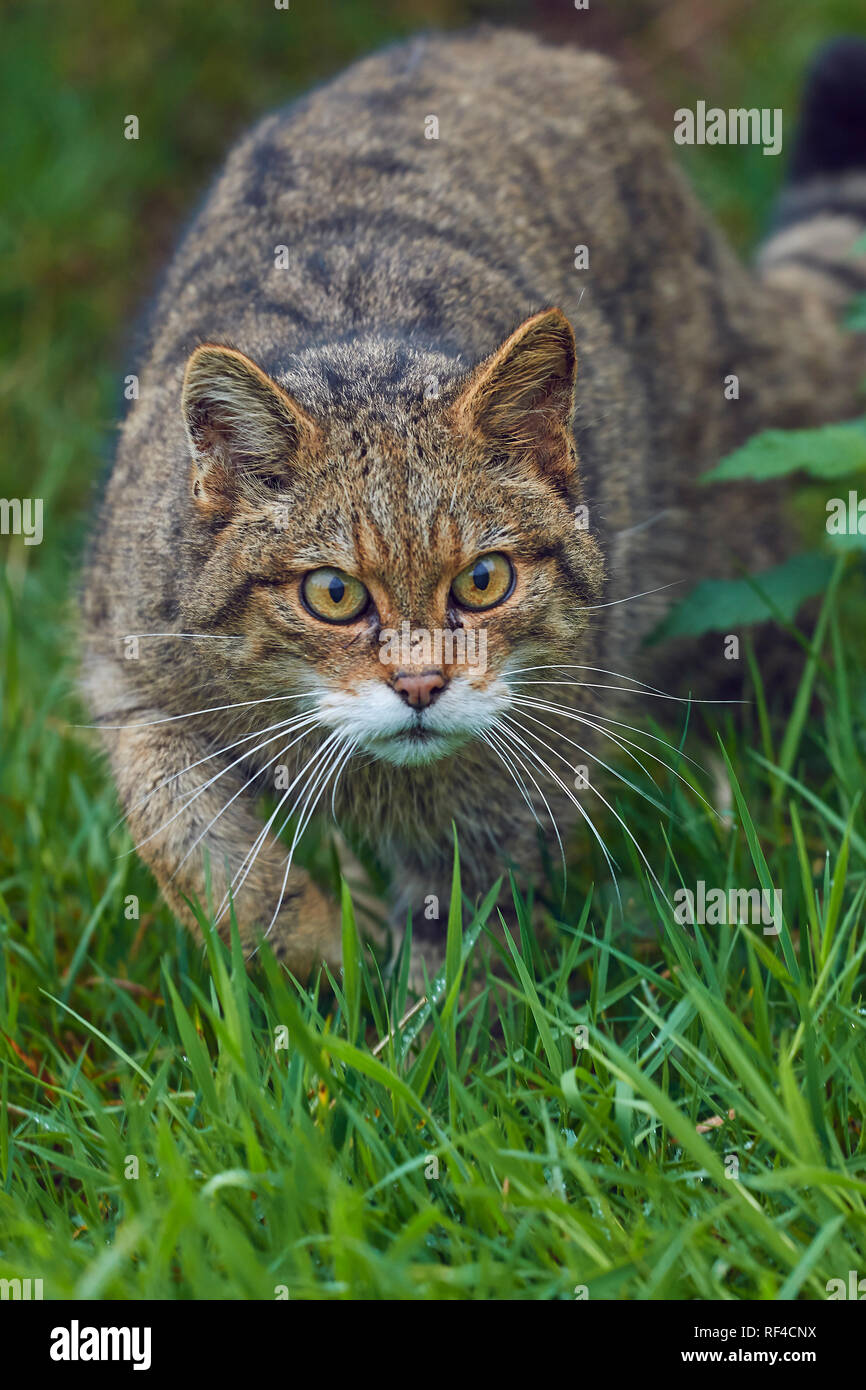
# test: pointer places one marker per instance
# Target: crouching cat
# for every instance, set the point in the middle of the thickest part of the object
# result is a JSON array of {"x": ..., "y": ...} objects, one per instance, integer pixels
[{"x": 407, "y": 478}]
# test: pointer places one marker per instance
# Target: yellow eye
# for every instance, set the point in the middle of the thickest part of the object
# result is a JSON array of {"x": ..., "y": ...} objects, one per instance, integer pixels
[
  {"x": 484, "y": 583},
  {"x": 333, "y": 595}
]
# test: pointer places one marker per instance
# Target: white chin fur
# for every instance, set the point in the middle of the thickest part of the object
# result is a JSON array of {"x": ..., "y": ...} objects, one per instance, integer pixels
[{"x": 381, "y": 722}]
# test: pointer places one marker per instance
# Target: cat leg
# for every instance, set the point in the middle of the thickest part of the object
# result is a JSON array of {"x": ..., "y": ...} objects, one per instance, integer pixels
[{"x": 190, "y": 818}]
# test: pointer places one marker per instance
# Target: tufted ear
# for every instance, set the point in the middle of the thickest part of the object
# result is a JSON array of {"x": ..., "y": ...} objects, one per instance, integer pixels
[
  {"x": 240, "y": 424},
  {"x": 524, "y": 393}
]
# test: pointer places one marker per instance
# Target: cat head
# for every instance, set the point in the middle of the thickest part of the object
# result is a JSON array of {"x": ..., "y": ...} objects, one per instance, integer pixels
[{"x": 397, "y": 545}]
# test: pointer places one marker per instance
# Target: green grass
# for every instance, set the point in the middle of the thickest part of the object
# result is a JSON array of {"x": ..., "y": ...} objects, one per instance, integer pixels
[{"x": 566, "y": 1159}]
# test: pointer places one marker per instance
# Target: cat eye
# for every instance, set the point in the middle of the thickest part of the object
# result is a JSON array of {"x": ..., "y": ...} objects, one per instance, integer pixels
[
  {"x": 333, "y": 596},
  {"x": 484, "y": 583}
]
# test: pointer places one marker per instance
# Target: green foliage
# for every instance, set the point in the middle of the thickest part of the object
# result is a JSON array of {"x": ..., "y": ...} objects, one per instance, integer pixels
[
  {"x": 855, "y": 319},
  {"x": 726, "y": 605},
  {"x": 832, "y": 451},
  {"x": 286, "y": 1138}
]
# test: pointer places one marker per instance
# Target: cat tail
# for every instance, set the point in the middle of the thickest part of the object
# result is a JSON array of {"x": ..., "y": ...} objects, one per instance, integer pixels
[{"x": 821, "y": 214}]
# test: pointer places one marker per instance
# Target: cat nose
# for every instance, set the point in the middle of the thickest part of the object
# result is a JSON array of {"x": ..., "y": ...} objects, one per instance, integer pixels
[{"x": 421, "y": 690}]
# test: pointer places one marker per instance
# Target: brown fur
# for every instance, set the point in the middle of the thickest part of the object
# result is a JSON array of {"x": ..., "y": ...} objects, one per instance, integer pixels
[{"x": 399, "y": 401}]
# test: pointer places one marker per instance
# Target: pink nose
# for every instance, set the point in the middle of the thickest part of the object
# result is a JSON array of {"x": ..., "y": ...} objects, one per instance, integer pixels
[{"x": 420, "y": 691}]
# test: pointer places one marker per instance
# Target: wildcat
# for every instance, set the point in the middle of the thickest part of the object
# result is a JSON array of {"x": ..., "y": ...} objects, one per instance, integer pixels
[{"x": 379, "y": 393}]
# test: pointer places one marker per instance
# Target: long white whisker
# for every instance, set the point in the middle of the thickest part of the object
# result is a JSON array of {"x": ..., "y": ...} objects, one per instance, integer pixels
[
  {"x": 630, "y": 690},
  {"x": 288, "y": 726},
  {"x": 317, "y": 786},
  {"x": 644, "y": 733},
  {"x": 352, "y": 748},
  {"x": 642, "y": 686},
  {"x": 592, "y": 607},
  {"x": 173, "y": 718},
  {"x": 605, "y": 802},
  {"x": 582, "y": 666},
  {"x": 619, "y": 739},
  {"x": 594, "y": 757},
  {"x": 521, "y": 743},
  {"x": 338, "y": 762},
  {"x": 505, "y": 757},
  {"x": 203, "y": 788},
  {"x": 249, "y": 859},
  {"x": 317, "y": 780},
  {"x": 248, "y": 738},
  {"x": 279, "y": 754}
]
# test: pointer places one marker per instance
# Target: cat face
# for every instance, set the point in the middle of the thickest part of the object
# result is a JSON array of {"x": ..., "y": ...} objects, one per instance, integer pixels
[{"x": 392, "y": 566}]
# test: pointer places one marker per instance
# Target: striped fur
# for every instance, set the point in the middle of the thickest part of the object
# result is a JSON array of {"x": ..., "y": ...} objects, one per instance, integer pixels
[{"x": 368, "y": 411}]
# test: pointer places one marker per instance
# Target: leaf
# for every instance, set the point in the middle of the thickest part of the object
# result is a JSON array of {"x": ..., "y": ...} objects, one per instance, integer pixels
[
  {"x": 729, "y": 604},
  {"x": 828, "y": 452},
  {"x": 855, "y": 318},
  {"x": 351, "y": 964}
]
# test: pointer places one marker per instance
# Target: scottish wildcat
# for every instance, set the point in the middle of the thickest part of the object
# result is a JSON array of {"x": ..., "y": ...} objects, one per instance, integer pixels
[{"x": 378, "y": 395}]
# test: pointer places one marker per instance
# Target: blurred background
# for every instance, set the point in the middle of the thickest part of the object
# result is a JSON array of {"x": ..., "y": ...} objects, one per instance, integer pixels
[{"x": 88, "y": 217}]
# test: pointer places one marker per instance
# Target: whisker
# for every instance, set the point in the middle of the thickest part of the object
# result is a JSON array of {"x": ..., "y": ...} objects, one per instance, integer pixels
[
  {"x": 605, "y": 802},
  {"x": 582, "y": 666},
  {"x": 643, "y": 686},
  {"x": 303, "y": 721},
  {"x": 644, "y": 733},
  {"x": 630, "y": 690},
  {"x": 619, "y": 739},
  {"x": 279, "y": 754},
  {"x": 531, "y": 752},
  {"x": 283, "y": 723},
  {"x": 243, "y": 872},
  {"x": 317, "y": 786},
  {"x": 173, "y": 718},
  {"x": 600, "y": 761},
  {"x": 626, "y": 744},
  {"x": 354, "y": 745},
  {"x": 509, "y": 767},
  {"x": 505, "y": 758},
  {"x": 338, "y": 761},
  {"x": 592, "y": 607},
  {"x": 203, "y": 788}
]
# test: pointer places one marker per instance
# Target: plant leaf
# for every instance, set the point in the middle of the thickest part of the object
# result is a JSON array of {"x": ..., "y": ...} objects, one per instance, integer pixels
[
  {"x": 729, "y": 604},
  {"x": 828, "y": 452}
]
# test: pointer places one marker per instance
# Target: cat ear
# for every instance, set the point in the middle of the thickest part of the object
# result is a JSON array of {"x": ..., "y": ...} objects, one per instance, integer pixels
[
  {"x": 524, "y": 393},
  {"x": 239, "y": 423}
]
